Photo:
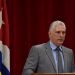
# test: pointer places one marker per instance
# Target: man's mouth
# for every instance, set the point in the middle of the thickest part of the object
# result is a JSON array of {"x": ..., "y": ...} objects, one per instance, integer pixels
[{"x": 61, "y": 39}]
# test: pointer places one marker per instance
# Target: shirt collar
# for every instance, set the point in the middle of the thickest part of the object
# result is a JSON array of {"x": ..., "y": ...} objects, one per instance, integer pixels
[{"x": 53, "y": 46}]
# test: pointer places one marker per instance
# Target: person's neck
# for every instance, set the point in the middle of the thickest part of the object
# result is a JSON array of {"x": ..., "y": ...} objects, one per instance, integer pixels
[{"x": 55, "y": 44}]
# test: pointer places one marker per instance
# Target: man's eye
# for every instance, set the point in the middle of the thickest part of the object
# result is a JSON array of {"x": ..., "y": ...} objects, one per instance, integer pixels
[
  {"x": 58, "y": 32},
  {"x": 63, "y": 32}
]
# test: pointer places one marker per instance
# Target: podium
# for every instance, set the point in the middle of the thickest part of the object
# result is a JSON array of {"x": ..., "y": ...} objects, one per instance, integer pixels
[{"x": 53, "y": 74}]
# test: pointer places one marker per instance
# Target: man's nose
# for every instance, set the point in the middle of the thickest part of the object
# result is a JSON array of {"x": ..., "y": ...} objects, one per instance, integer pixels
[{"x": 61, "y": 34}]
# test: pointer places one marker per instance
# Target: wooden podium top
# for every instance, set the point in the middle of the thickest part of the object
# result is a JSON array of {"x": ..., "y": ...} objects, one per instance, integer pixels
[{"x": 53, "y": 74}]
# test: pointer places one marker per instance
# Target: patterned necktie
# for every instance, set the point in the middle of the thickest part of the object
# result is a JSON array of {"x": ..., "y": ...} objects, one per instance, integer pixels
[{"x": 59, "y": 60}]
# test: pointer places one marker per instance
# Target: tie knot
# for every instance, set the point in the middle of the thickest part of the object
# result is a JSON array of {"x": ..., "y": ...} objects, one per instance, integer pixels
[{"x": 58, "y": 49}]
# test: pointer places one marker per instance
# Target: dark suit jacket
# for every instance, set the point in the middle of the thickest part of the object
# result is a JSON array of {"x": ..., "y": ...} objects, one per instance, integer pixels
[{"x": 41, "y": 60}]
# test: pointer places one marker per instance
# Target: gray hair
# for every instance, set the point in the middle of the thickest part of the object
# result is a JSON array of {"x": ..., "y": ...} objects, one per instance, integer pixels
[{"x": 56, "y": 23}]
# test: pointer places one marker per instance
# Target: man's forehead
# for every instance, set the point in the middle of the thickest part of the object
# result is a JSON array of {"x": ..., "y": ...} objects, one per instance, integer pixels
[{"x": 59, "y": 28}]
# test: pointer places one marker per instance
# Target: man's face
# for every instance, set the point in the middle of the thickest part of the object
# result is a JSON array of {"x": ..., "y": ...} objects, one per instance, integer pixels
[{"x": 57, "y": 34}]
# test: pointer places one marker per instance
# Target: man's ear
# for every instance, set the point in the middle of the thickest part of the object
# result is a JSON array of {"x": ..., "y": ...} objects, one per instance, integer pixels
[{"x": 49, "y": 33}]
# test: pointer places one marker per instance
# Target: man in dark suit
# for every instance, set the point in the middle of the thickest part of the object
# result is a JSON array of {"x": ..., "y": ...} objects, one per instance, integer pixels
[{"x": 51, "y": 57}]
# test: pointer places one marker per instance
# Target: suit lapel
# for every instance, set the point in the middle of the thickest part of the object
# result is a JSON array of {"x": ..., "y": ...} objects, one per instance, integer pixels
[{"x": 50, "y": 55}]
